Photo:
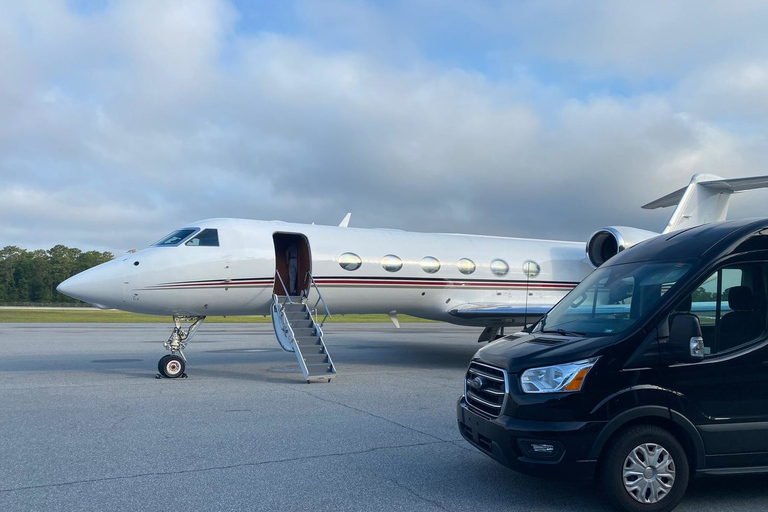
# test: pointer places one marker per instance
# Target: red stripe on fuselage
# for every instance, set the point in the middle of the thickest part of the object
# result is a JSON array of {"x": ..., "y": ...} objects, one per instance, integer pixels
[{"x": 372, "y": 283}]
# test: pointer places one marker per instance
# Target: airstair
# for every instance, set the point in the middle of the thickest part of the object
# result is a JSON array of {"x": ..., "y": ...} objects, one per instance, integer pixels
[{"x": 298, "y": 331}]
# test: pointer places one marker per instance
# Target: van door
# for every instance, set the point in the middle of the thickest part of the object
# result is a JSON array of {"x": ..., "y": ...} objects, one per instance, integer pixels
[{"x": 726, "y": 394}]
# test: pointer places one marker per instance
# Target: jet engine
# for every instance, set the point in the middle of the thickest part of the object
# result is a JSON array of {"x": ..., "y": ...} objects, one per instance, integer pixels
[{"x": 608, "y": 242}]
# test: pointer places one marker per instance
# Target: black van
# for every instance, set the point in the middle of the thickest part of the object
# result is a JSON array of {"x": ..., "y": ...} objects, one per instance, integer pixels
[{"x": 652, "y": 370}]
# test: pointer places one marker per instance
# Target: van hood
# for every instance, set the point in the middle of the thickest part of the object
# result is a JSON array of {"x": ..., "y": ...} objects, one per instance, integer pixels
[{"x": 518, "y": 353}]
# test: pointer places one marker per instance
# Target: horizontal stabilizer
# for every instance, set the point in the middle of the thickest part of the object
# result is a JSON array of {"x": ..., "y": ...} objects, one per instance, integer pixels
[
  {"x": 721, "y": 185},
  {"x": 668, "y": 200},
  {"x": 704, "y": 200}
]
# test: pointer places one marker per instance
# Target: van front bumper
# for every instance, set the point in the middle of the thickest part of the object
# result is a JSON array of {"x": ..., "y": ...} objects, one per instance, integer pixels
[{"x": 542, "y": 448}]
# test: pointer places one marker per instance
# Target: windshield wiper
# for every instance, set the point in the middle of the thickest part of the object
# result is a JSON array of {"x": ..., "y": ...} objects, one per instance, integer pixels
[{"x": 563, "y": 332}]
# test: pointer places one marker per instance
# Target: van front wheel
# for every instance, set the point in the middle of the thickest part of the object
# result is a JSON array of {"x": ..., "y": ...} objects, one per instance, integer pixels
[{"x": 645, "y": 469}]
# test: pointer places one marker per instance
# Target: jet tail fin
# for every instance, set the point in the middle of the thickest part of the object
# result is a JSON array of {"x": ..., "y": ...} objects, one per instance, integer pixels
[{"x": 704, "y": 200}]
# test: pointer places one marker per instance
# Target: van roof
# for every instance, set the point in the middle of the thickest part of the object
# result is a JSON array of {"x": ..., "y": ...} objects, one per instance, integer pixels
[{"x": 705, "y": 242}]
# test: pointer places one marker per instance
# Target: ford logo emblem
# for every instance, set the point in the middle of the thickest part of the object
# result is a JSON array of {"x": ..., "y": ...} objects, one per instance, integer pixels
[{"x": 476, "y": 383}]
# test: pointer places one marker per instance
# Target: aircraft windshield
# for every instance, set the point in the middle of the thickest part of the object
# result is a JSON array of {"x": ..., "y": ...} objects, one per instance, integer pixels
[
  {"x": 205, "y": 238},
  {"x": 176, "y": 237},
  {"x": 612, "y": 299}
]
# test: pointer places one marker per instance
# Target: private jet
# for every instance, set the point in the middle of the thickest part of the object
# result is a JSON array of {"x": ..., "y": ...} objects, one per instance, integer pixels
[{"x": 297, "y": 272}]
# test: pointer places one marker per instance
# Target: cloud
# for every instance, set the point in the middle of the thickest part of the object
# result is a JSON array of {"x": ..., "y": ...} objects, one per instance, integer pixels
[
  {"x": 728, "y": 91},
  {"x": 634, "y": 40},
  {"x": 125, "y": 122}
]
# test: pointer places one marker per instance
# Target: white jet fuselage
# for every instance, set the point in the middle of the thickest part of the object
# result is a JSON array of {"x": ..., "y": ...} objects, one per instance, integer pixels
[{"x": 238, "y": 276}]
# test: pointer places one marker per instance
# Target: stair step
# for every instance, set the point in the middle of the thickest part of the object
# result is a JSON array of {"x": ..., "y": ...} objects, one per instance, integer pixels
[
  {"x": 314, "y": 369},
  {"x": 297, "y": 314},
  {"x": 315, "y": 357},
  {"x": 311, "y": 359},
  {"x": 309, "y": 350}
]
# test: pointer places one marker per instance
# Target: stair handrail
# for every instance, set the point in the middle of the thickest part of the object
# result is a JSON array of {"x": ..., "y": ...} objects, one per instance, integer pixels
[
  {"x": 318, "y": 332},
  {"x": 283, "y": 285},
  {"x": 285, "y": 325},
  {"x": 319, "y": 300}
]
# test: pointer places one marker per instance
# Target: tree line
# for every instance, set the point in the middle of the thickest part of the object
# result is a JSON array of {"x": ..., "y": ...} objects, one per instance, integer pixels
[{"x": 31, "y": 277}]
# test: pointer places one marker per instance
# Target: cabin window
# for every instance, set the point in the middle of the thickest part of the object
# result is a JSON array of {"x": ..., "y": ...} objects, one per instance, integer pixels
[
  {"x": 430, "y": 265},
  {"x": 466, "y": 266},
  {"x": 499, "y": 268},
  {"x": 205, "y": 238},
  {"x": 176, "y": 237},
  {"x": 391, "y": 263},
  {"x": 531, "y": 268},
  {"x": 350, "y": 261}
]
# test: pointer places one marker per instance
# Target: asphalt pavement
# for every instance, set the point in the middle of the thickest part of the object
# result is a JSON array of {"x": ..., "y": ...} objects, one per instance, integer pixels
[{"x": 85, "y": 425}]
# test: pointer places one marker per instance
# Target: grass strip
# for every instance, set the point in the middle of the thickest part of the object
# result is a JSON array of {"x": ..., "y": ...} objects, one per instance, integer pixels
[{"x": 87, "y": 315}]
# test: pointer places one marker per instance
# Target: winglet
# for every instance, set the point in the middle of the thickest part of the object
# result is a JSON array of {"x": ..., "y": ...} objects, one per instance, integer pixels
[
  {"x": 704, "y": 200},
  {"x": 345, "y": 221}
]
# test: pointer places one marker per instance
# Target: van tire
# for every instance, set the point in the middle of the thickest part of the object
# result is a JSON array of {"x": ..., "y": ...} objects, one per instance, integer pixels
[{"x": 659, "y": 460}]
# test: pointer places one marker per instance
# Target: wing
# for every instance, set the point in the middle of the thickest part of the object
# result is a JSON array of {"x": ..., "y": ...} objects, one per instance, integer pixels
[{"x": 499, "y": 314}]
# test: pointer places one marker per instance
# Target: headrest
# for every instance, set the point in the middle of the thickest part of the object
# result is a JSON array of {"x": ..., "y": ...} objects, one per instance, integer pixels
[
  {"x": 685, "y": 304},
  {"x": 740, "y": 298}
]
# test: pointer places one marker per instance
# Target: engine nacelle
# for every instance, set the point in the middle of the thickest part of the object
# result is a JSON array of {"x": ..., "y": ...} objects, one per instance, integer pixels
[{"x": 608, "y": 242}]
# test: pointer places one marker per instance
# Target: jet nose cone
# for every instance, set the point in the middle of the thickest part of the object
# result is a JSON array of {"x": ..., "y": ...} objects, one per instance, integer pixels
[
  {"x": 76, "y": 287},
  {"x": 102, "y": 285}
]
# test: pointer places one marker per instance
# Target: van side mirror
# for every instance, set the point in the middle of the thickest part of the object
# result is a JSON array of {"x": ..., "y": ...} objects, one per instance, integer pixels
[{"x": 685, "y": 338}]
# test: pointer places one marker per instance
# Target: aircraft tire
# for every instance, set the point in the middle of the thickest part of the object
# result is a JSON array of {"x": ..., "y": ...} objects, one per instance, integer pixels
[{"x": 171, "y": 366}]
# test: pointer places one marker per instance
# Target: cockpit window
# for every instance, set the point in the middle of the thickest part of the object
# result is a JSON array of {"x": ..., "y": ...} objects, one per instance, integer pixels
[
  {"x": 176, "y": 237},
  {"x": 205, "y": 238}
]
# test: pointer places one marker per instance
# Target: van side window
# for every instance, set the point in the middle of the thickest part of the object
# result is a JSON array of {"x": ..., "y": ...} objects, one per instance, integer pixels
[
  {"x": 731, "y": 306},
  {"x": 205, "y": 238},
  {"x": 758, "y": 242}
]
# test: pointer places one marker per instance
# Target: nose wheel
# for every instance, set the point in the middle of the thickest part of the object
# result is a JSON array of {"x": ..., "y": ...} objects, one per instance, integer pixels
[{"x": 171, "y": 366}]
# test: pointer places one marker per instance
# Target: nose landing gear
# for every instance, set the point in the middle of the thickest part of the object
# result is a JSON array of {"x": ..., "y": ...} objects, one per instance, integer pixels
[{"x": 172, "y": 365}]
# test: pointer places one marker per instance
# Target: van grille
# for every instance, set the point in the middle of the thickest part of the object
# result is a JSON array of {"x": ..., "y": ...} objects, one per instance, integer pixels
[{"x": 485, "y": 388}]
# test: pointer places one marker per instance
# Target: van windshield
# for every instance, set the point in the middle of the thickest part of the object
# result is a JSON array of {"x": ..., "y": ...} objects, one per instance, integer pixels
[{"x": 612, "y": 299}]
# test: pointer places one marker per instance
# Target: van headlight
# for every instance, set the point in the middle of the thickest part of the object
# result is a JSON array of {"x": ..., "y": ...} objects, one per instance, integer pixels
[{"x": 559, "y": 378}]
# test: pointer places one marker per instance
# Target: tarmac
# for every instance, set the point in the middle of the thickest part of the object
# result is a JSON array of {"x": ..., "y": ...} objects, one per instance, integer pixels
[{"x": 86, "y": 425}]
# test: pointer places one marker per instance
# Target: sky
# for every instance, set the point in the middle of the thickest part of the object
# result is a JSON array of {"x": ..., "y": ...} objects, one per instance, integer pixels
[{"x": 121, "y": 121}]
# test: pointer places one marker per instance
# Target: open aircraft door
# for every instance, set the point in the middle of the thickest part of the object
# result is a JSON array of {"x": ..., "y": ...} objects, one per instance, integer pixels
[{"x": 293, "y": 263}]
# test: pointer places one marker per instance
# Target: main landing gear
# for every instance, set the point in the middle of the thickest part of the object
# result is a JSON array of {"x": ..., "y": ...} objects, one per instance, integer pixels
[{"x": 172, "y": 365}]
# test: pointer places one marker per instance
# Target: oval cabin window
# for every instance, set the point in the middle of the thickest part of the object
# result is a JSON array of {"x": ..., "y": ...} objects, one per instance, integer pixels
[
  {"x": 531, "y": 268},
  {"x": 430, "y": 265},
  {"x": 391, "y": 263},
  {"x": 499, "y": 268},
  {"x": 466, "y": 266},
  {"x": 350, "y": 261}
]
